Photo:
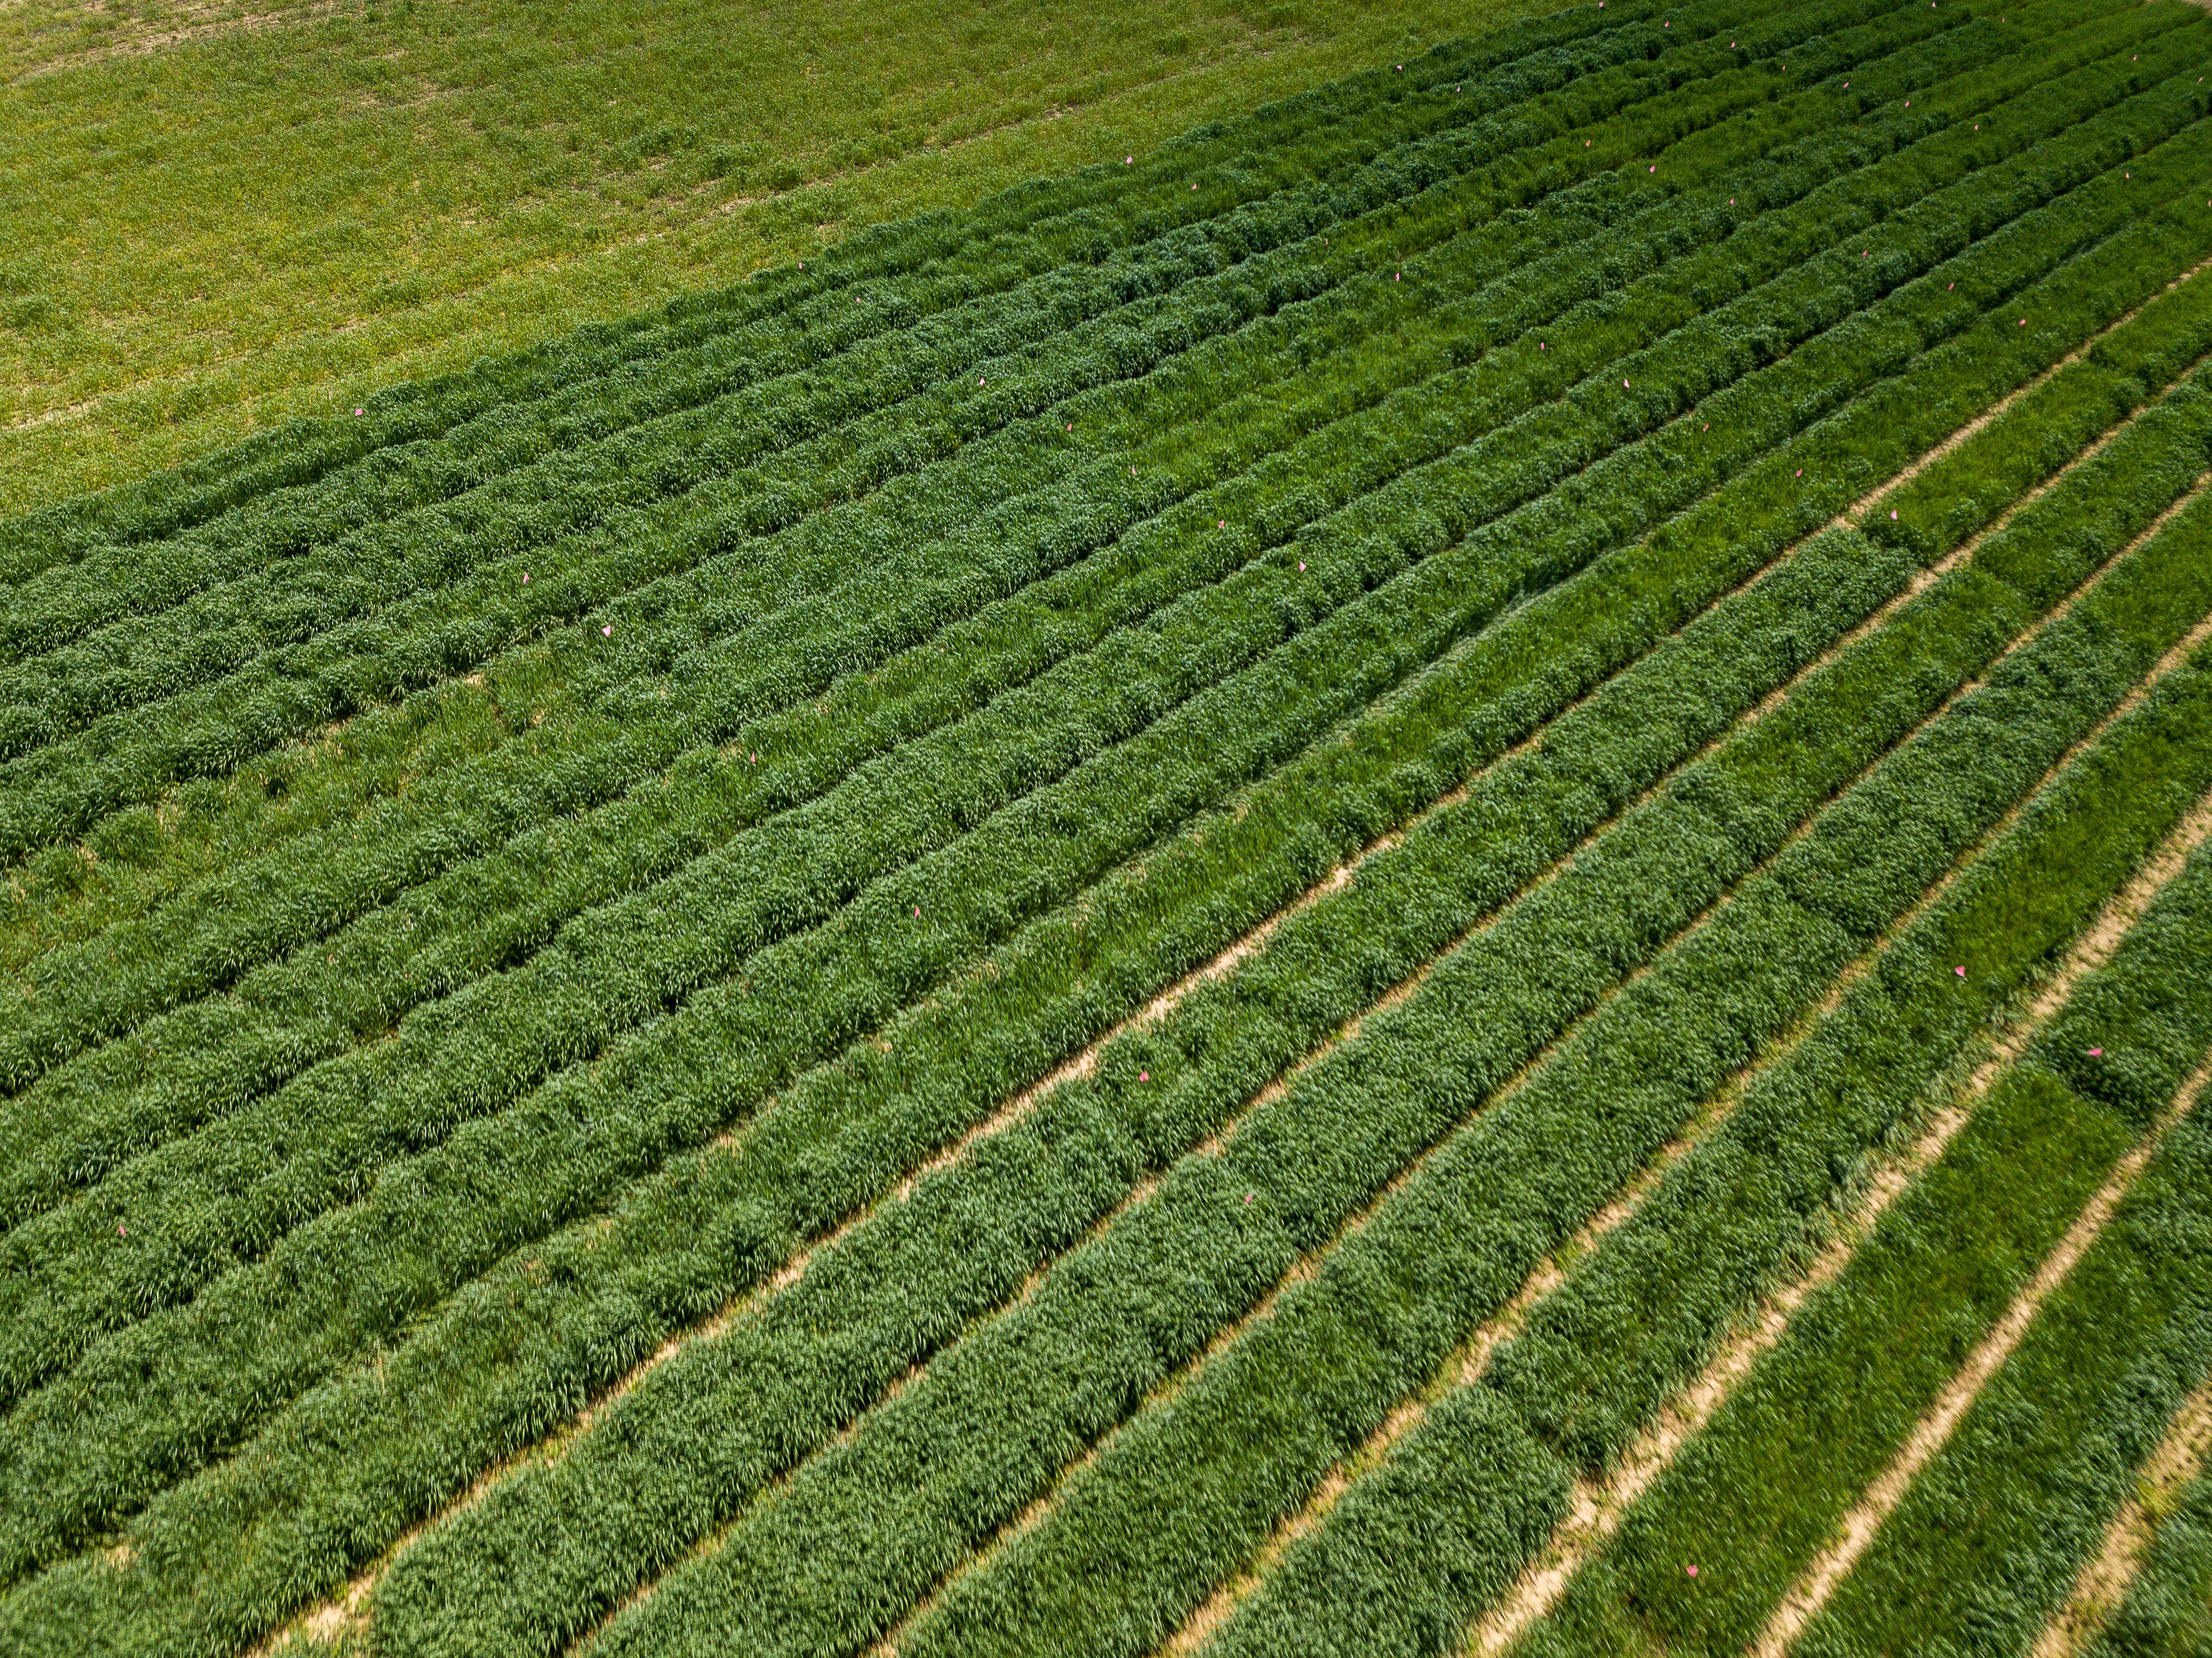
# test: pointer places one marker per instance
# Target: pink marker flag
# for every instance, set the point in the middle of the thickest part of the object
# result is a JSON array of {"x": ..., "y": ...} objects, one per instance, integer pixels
[
  {"x": 2096, "y": 1052},
  {"x": 1960, "y": 971}
]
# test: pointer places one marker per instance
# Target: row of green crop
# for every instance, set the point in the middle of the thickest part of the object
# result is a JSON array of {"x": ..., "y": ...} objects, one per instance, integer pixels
[
  {"x": 1987, "y": 1542},
  {"x": 1435, "y": 339},
  {"x": 556, "y": 869},
  {"x": 1755, "y": 1497},
  {"x": 1406, "y": 1587},
  {"x": 619, "y": 1523},
  {"x": 1046, "y": 223},
  {"x": 631, "y": 1522},
  {"x": 1136, "y": 1537},
  {"x": 355, "y": 1462},
  {"x": 1945, "y": 503},
  {"x": 124, "y": 754},
  {"x": 675, "y": 426},
  {"x": 916, "y": 1273},
  {"x": 223, "y": 1196},
  {"x": 649, "y": 457},
  {"x": 626, "y": 632},
  {"x": 1599, "y": 1357},
  {"x": 397, "y": 851}
]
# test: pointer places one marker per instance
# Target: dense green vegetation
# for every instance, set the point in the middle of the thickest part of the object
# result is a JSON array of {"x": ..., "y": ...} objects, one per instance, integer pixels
[{"x": 1136, "y": 916}]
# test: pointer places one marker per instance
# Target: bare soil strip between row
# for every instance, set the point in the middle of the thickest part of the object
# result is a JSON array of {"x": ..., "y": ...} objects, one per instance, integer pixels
[
  {"x": 1856, "y": 514},
  {"x": 1309, "y": 1263},
  {"x": 1599, "y": 1506},
  {"x": 349, "y": 1605},
  {"x": 1466, "y": 1364},
  {"x": 1934, "y": 1430},
  {"x": 2106, "y": 1578}
]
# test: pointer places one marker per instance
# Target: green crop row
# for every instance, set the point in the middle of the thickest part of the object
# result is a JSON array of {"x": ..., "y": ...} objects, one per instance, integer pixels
[
  {"x": 138, "y": 853},
  {"x": 65, "y": 1285},
  {"x": 1823, "y": 1413},
  {"x": 577, "y": 485},
  {"x": 1313, "y": 685},
  {"x": 1004, "y": 239},
  {"x": 173, "y": 965},
  {"x": 642, "y": 1519},
  {"x": 1136, "y": 1538},
  {"x": 1322, "y": 1592},
  {"x": 675, "y": 426},
  {"x": 1374, "y": 1568},
  {"x": 249, "y": 895},
  {"x": 633, "y": 1519},
  {"x": 142, "y": 1219},
  {"x": 366, "y": 1455},
  {"x": 125, "y": 756},
  {"x": 1777, "y": 492},
  {"x": 1598, "y": 1357},
  {"x": 1988, "y": 1540}
]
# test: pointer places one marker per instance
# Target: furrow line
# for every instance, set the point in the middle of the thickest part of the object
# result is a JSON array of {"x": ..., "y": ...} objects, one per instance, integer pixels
[
  {"x": 1934, "y": 1430},
  {"x": 2106, "y": 1578},
  {"x": 1854, "y": 514},
  {"x": 218, "y": 986},
  {"x": 1466, "y": 1365},
  {"x": 1308, "y": 1262},
  {"x": 1598, "y": 1504}
]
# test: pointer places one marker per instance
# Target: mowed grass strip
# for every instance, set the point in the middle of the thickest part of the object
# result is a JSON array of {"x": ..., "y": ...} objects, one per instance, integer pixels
[
  {"x": 485, "y": 178},
  {"x": 661, "y": 424}
]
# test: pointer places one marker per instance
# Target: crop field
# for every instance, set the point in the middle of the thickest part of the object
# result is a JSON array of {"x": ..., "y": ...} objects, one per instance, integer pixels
[{"x": 1427, "y": 874}]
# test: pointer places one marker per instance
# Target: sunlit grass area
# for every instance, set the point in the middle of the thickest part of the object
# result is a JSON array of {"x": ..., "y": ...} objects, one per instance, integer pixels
[{"x": 222, "y": 216}]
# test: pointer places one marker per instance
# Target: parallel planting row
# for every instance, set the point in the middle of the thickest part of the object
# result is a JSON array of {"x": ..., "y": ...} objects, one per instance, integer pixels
[{"x": 1340, "y": 891}]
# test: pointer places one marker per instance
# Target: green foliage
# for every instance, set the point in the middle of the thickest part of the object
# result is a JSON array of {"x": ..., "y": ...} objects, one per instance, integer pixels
[{"x": 435, "y": 989}]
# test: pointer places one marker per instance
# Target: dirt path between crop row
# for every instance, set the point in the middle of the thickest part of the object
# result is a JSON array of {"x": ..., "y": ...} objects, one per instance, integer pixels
[
  {"x": 348, "y": 1608},
  {"x": 1934, "y": 1430},
  {"x": 1211, "y": 1612},
  {"x": 2105, "y": 1579},
  {"x": 1474, "y": 1356},
  {"x": 1600, "y": 1505}
]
